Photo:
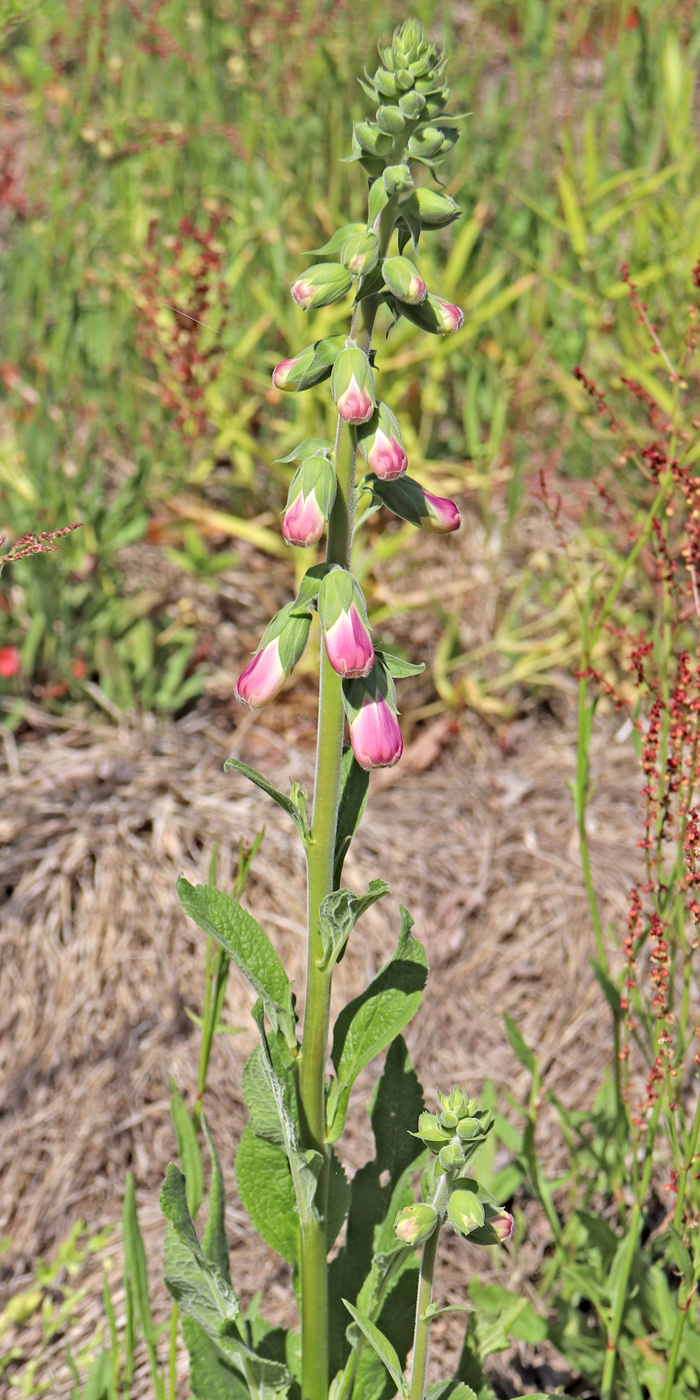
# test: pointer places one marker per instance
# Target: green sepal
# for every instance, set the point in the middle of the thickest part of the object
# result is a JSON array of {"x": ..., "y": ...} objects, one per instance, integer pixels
[
  {"x": 378, "y": 199},
  {"x": 372, "y": 140},
  {"x": 412, "y": 104},
  {"x": 319, "y": 363},
  {"x": 338, "y": 915},
  {"x": 397, "y": 666},
  {"x": 311, "y": 584},
  {"x": 427, "y": 143},
  {"x": 354, "y": 789},
  {"x": 247, "y": 944},
  {"x": 292, "y": 808},
  {"x": 371, "y": 1021},
  {"x": 337, "y": 239},
  {"x": 310, "y": 447},
  {"x": 188, "y": 1149}
]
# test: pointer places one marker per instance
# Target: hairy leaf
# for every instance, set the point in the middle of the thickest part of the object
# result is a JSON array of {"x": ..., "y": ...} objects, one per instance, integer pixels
[
  {"x": 287, "y": 804},
  {"x": 304, "y": 1165},
  {"x": 266, "y": 1190},
  {"x": 214, "y": 1242},
  {"x": 381, "y": 1345},
  {"x": 212, "y": 1375},
  {"x": 338, "y": 915},
  {"x": 354, "y": 788}
]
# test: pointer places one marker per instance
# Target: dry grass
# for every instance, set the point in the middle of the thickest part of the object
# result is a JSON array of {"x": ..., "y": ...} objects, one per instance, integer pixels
[{"x": 99, "y": 963}]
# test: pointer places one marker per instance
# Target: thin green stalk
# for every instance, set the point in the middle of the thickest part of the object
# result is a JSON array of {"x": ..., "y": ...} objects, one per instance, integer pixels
[
  {"x": 421, "y": 1335},
  {"x": 172, "y": 1353},
  {"x": 320, "y": 858}
]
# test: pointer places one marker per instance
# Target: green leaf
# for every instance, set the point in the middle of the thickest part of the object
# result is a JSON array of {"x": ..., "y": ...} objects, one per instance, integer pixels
[
  {"x": 337, "y": 240},
  {"x": 397, "y": 666},
  {"x": 304, "y": 1166},
  {"x": 286, "y": 803},
  {"x": 608, "y": 988},
  {"x": 100, "y": 1381},
  {"x": 435, "y": 1310},
  {"x": 135, "y": 1263},
  {"x": 369, "y": 1023},
  {"x": 338, "y": 1198},
  {"x": 266, "y": 1190},
  {"x": 397, "y": 1102},
  {"x": 522, "y": 1052},
  {"x": 310, "y": 447},
  {"x": 338, "y": 915},
  {"x": 248, "y": 945},
  {"x": 381, "y": 1345},
  {"x": 212, "y": 1375},
  {"x": 197, "y": 1286},
  {"x": 188, "y": 1150},
  {"x": 354, "y": 788},
  {"x": 214, "y": 1242},
  {"x": 449, "y": 1390}
]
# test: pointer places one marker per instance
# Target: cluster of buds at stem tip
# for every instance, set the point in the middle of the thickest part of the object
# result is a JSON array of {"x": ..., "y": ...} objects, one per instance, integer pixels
[
  {"x": 309, "y": 501},
  {"x": 352, "y": 385},
  {"x": 370, "y": 706},
  {"x": 343, "y": 615},
  {"x": 381, "y": 444},
  {"x": 280, "y": 648},
  {"x": 407, "y": 499}
]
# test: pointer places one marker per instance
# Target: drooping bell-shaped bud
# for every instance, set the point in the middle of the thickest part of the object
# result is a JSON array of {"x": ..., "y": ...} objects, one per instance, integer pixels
[
  {"x": 320, "y": 285},
  {"x": 451, "y": 317},
  {"x": 416, "y": 1223},
  {"x": 498, "y": 1227},
  {"x": 281, "y": 646},
  {"x": 433, "y": 314},
  {"x": 375, "y": 732},
  {"x": 411, "y": 502},
  {"x": 381, "y": 444},
  {"x": 352, "y": 385},
  {"x": 311, "y": 366},
  {"x": 360, "y": 253},
  {"x": 401, "y": 278},
  {"x": 309, "y": 502},
  {"x": 465, "y": 1211},
  {"x": 343, "y": 614},
  {"x": 434, "y": 209}
]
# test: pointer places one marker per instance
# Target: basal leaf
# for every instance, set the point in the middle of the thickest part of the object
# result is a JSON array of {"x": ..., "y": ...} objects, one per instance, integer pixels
[
  {"x": 214, "y": 1242},
  {"x": 450, "y": 1390},
  {"x": 266, "y": 1190},
  {"x": 135, "y": 1263},
  {"x": 381, "y": 1345},
  {"x": 338, "y": 915},
  {"x": 369, "y": 1023},
  {"x": 354, "y": 788},
  {"x": 247, "y": 944},
  {"x": 188, "y": 1150},
  {"x": 197, "y": 1286},
  {"x": 212, "y": 1375},
  {"x": 396, "y": 1322},
  {"x": 287, "y": 804}
]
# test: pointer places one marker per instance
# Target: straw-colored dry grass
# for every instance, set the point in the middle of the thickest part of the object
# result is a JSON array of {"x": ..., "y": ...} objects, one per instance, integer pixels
[{"x": 99, "y": 963}]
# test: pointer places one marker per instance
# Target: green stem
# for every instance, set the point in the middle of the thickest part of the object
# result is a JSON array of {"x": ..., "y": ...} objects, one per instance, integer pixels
[
  {"x": 421, "y": 1335},
  {"x": 606, "y": 1389}
]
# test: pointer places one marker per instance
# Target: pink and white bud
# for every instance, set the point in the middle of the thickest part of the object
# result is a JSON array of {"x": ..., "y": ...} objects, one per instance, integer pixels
[
  {"x": 349, "y": 645},
  {"x": 311, "y": 366},
  {"x": 416, "y": 1223},
  {"x": 355, "y": 405},
  {"x": 503, "y": 1224},
  {"x": 303, "y": 292},
  {"x": 402, "y": 280},
  {"x": 443, "y": 515},
  {"x": 321, "y": 285},
  {"x": 284, "y": 371},
  {"x": 375, "y": 734},
  {"x": 386, "y": 456},
  {"x": 303, "y": 522},
  {"x": 409, "y": 500},
  {"x": 263, "y": 678},
  {"x": 450, "y": 317}
]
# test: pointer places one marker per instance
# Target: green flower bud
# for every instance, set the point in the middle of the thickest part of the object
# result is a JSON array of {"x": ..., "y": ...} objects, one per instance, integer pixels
[
  {"x": 404, "y": 80},
  {"x": 352, "y": 385},
  {"x": 385, "y": 83},
  {"x": 402, "y": 280},
  {"x": 372, "y": 140},
  {"x": 430, "y": 1131},
  {"x": 450, "y": 1156},
  {"x": 435, "y": 210},
  {"x": 448, "y": 1118},
  {"x": 455, "y": 1104},
  {"x": 311, "y": 366},
  {"x": 412, "y": 104},
  {"x": 465, "y": 1211},
  {"x": 391, "y": 120},
  {"x": 468, "y": 1129},
  {"x": 360, "y": 253},
  {"x": 436, "y": 103},
  {"x": 416, "y": 1223},
  {"x": 426, "y": 143},
  {"x": 397, "y": 178},
  {"x": 320, "y": 285}
]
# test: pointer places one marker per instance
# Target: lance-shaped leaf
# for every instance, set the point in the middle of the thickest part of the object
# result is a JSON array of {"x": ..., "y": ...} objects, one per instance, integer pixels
[
  {"x": 369, "y": 1023},
  {"x": 290, "y": 805},
  {"x": 337, "y": 239},
  {"x": 304, "y": 1166},
  {"x": 266, "y": 1190},
  {"x": 354, "y": 789},
  {"x": 203, "y": 1294},
  {"x": 212, "y": 1375},
  {"x": 381, "y": 1345},
  {"x": 338, "y": 915},
  {"x": 214, "y": 1242},
  {"x": 188, "y": 1149},
  {"x": 310, "y": 447},
  {"x": 397, "y": 666},
  {"x": 247, "y": 944}
]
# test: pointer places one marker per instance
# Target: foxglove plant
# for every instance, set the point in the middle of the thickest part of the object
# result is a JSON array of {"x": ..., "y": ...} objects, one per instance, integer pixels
[{"x": 361, "y": 1313}]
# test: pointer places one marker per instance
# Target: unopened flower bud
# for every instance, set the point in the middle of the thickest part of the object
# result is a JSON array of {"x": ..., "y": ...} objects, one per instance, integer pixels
[
  {"x": 451, "y": 317},
  {"x": 416, "y": 1223},
  {"x": 372, "y": 140},
  {"x": 391, "y": 120},
  {"x": 454, "y": 1105},
  {"x": 381, "y": 444},
  {"x": 468, "y": 1129},
  {"x": 280, "y": 648},
  {"x": 397, "y": 178},
  {"x": 426, "y": 143},
  {"x": 341, "y": 608},
  {"x": 309, "y": 502},
  {"x": 411, "y": 502},
  {"x": 352, "y": 385},
  {"x": 360, "y": 253},
  {"x": 375, "y": 733},
  {"x": 497, "y": 1228},
  {"x": 401, "y": 278},
  {"x": 430, "y": 1131},
  {"x": 451, "y": 1156},
  {"x": 311, "y": 366},
  {"x": 434, "y": 209},
  {"x": 412, "y": 104},
  {"x": 320, "y": 285},
  {"x": 465, "y": 1211}
]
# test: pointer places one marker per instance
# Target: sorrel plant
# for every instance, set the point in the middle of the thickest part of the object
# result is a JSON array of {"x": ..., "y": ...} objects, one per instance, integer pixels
[{"x": 354, "y": 1338}]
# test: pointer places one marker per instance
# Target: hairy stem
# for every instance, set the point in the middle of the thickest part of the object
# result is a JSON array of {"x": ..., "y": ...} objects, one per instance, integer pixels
[
  {"x": 320, "y": 858},
  {"x": 421, "y": 1335}
]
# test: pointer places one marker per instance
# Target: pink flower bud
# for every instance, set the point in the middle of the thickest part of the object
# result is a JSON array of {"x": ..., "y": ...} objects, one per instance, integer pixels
[
  {"x": 303, "y": 292},
  {"x": 263, "y": 678},
  {"x": 304, "y": 522},
  {"x": 503, "y": 1224},
  {"x": 355, "y": 405},
  {"x": 349, "y": 645},
  {"x": 443, "y": 515},
  {"x": 283, "y": 372},
  {"x": 386, "y": 457},
  {"x": 451, "y": 317},
  {"x": 375, "y": 734},
  {"x": 9, "y": 662}
]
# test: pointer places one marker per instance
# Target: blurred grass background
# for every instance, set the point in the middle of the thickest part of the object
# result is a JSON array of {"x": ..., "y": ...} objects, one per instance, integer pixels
[{"x": 185, "y": 155}]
